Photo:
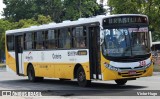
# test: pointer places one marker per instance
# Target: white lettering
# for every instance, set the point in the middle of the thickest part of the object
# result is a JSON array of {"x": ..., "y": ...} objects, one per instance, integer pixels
[
  {"x": 146, "y": 94},
  {"x": 142, "y": 93},
  {"x": 124, "y": 20}
]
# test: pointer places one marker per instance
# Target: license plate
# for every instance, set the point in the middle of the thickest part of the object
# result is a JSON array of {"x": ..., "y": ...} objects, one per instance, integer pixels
[{"x": 132, "y": 72}]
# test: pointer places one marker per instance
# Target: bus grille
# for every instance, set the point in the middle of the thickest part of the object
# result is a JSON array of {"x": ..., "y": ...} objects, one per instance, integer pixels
[
  {"x": 129, "y": 68},
  {"x": 126, "y": 74}
]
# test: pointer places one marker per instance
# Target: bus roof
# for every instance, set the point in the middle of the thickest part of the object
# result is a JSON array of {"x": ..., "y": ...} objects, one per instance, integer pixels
[{"x": 69, "y": 23}]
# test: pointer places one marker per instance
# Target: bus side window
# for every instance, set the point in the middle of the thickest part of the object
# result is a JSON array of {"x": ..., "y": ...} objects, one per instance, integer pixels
[
  {"x": 82, "y": 44},
  {"x": 28, "y": 41},
  {"x": 64, "y": 38},
  {"x": 79, "y": 37},
  {"x": 10, "y": 42},
  {"x": 67, "y": 39},
  {"x": 61, "y": 38},
  {"x": 73, "y": 37},
  {"x": 34, "y": 38},
  {"x": 40, "y": 38},
  {"x": 45, "y": 38},
  {"x": 52, "y": 39}
]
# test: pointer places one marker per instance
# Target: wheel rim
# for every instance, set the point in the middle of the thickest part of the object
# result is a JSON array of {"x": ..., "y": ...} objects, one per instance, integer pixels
[
  {"x": 81, "y": 76},
  {"x": 30, "y": 75}
]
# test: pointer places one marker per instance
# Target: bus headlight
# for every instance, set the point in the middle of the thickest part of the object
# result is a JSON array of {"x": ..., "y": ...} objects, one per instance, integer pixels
[
  {"x": 111, "y": 67},
  {"x": 148, "y": 65}
]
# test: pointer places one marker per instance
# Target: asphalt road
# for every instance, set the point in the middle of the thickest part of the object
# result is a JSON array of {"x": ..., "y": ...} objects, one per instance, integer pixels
[{"x": 55, "y": 87}]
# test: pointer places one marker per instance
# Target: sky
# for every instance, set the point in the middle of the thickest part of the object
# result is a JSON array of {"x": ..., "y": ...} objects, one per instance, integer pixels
[{"x": 3, "y": 6}]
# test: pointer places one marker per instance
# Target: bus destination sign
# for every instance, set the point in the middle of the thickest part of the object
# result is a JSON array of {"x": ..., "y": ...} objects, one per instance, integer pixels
[{"x": 124, "y": 20}]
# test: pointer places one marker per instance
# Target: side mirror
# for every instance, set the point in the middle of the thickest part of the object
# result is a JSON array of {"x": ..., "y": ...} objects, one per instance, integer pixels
[{"x": 101, "y": 37}]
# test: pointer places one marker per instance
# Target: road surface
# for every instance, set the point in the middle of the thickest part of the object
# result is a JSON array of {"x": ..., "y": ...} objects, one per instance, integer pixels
[{"x": 70, "y": 89}]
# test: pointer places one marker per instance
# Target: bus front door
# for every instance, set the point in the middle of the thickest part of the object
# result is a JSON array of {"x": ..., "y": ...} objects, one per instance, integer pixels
[
  {"x": 19, "y": 54},
  {"x": 94, "y": 52}
]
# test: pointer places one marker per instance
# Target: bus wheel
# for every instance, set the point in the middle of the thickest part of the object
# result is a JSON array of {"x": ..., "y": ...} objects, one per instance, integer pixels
[
  {"x": 39, "y": 79},
  {"x": 81, "y": 77},
  {"x": 63, "y": 79},
  {"x": 31, "y": 74},
  {"x": 121, "y": 81}
]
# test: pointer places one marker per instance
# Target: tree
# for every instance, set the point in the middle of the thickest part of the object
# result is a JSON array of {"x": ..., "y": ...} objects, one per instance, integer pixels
[
  {"x": 4, "y": 25},
  {"x": 44, "y": 19},
  {"x": 19, "y": 9},
  {"x": 26, "y": 9},
  {"x": 23, "y": 23},
  {"x": 58, "y": 10},
  {"x": 151, "y": 8},
  {"x": 80, "y": 8}
]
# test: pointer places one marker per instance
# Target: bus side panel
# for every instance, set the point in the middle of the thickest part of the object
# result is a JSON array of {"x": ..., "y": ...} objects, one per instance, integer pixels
[
  {"x": 10, "y": 57},
  {"x": 67, "y": 70},
  {"x": 10, "y": 60},
  {"x": 106, "y": 73},
  {"x": 25, "y": 68},
  {"x": 64, "y": 71},
  {"x": 86, "y": 67},
  {"x": 149, "y": 71},
  {"x": 57, "y": 63}
]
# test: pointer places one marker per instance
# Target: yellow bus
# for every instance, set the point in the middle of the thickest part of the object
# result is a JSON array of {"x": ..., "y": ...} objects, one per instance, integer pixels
[{"x": 104, "y": 47}]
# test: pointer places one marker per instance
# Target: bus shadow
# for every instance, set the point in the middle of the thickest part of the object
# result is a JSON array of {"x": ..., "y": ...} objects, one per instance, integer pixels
[
  {"x": 96, "y": 89},
  {"x": 70, "y": 88},
  {"x": 94, "y": 85}
]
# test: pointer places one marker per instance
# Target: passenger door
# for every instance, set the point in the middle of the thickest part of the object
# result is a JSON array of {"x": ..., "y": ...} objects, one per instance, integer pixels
[
  {"x": 94, "y": 51},
  {"x": 19, "y": 54}
]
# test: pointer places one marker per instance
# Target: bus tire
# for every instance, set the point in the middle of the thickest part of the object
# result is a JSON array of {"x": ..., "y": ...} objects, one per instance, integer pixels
[
  {"x": 39, "y": 79},
  {"x": 63, "y": 79},
  {"x": 31, "y": 74},
  {"x": 81, "y": 78},
  {"x": 121, "y": 81}
]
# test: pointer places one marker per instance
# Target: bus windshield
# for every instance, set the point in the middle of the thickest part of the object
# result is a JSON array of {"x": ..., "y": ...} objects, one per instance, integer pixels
[{"x": 121, "y": 42}]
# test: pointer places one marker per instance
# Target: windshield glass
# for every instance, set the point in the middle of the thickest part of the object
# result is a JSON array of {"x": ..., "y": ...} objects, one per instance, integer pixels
[{"x": 120, "y": 42}]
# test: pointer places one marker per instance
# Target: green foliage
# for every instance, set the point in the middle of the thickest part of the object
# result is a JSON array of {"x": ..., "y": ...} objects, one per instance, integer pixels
[
  {"x": 26, "y": 9},
  {"x": 58, "y": 10},
  {"x": 26, "y": 13},
  {"x": 4, "y": 25},
  {"x": 80, "y": 8},
  {"x": 149, "y": 7},
  {"x": 44, "y": 19},
  {"x": 17, "y": 9},
  {"x": 123, "y": 6},
  {"x": 23, "y": 23}
]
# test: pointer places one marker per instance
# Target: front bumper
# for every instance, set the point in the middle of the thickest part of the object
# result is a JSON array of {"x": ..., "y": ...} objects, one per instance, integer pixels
[{"x": 123, "y": 73}]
